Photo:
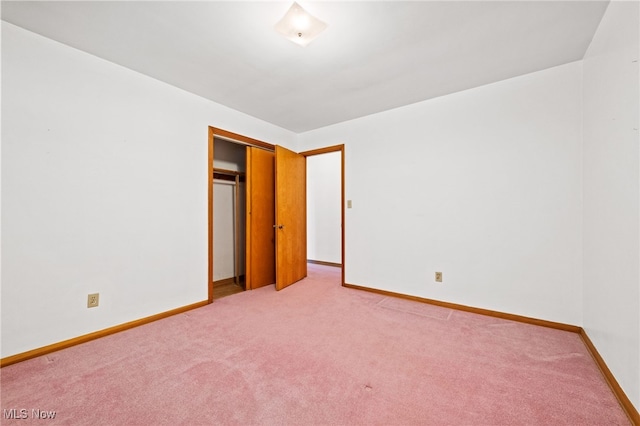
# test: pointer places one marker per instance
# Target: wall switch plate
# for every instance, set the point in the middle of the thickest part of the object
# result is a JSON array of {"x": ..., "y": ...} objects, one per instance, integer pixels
[
  {"x": 438, "y": 277},
  {"x": 93, "y": 300},
  {"x": 349, "y": 205}
]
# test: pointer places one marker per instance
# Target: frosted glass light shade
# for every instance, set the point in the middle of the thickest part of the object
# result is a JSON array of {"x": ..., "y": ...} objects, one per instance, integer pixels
[{"x": 298, "y": 26}]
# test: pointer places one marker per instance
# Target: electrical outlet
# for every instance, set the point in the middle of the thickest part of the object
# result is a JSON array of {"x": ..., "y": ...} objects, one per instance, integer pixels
[
  {"x": 438, "y": 277},
  {"x": 93, "y": 300}
]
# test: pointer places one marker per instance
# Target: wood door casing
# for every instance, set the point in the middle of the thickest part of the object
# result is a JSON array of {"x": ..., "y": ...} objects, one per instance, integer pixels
[
  {"x": 291, "y": 217},
  {"x": 325, "y": 150},
  {"x": 260, "y": 233}
]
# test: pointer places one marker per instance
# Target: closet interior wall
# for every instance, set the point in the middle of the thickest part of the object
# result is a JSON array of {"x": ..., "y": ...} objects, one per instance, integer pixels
[{"x": 229, "y": 212}]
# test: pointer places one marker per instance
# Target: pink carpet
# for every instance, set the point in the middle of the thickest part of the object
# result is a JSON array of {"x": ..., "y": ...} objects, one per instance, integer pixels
[{"x": 318, "y": 354}]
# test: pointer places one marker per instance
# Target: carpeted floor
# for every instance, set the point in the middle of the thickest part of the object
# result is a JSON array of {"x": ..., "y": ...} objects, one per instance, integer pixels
[{"x": 318, "y": 354}]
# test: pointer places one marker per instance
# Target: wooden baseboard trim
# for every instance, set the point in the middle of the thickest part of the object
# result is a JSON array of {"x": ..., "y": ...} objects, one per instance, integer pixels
[
  {"x": 95, "y": 335},
  {"x": 322, "y": 262},
  {"x": 623, "y": 399},
  {"x": 512, "y": 317}
]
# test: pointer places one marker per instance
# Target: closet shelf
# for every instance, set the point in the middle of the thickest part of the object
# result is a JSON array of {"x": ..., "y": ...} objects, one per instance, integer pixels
[{"x": 228, "y": 172}]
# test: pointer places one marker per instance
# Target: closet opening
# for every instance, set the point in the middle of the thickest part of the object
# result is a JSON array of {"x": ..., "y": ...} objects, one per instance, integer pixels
[
  {"x": 241, "y": 214},
  {"x": 229, "y": 216}
]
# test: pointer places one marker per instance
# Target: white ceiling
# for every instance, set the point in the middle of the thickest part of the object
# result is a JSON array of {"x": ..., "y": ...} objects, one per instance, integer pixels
[{"x": 374, "y": 56}]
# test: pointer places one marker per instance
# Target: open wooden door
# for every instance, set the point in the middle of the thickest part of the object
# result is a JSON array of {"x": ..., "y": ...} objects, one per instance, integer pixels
[
  {"x": 291, "y": 217},
  {"x": 260, "y": 232}
]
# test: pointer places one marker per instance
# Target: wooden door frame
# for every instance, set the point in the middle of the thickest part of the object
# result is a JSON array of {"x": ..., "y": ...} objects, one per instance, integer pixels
[
  {"x": 326, "y": 150},
  {"x": 235, "y": 138}
]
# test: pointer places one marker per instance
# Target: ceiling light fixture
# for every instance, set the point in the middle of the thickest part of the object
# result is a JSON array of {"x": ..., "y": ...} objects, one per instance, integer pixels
[{"x": 298, "y": 26}]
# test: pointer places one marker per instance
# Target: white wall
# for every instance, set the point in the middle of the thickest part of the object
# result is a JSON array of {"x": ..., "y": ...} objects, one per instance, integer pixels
[
  {"x": 324, "y": 174},
  {"x": 104, "y": 187},
  {"x": 483, "y": 185},
  {"x": 611, "y": 194}
]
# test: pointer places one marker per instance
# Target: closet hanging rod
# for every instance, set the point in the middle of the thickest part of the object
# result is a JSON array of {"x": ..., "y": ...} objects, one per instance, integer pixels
[{"x": 228, "y": 172}]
